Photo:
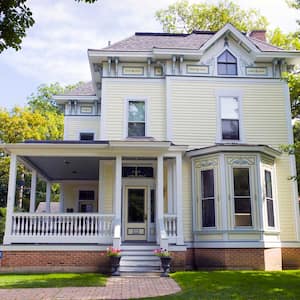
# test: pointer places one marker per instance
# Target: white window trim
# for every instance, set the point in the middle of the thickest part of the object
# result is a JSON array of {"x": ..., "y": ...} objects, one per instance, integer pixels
[
  {"x": 126, "y": 107},
  {"x": 236, "y": 94},
  {"x": 271, "y": 169},
  {"x": 237, "y": 63},
  {"x": 87, "y": 131}
]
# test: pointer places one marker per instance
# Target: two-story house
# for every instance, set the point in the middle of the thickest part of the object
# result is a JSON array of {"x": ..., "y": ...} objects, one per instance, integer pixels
[{"x": 175, "y": 144}]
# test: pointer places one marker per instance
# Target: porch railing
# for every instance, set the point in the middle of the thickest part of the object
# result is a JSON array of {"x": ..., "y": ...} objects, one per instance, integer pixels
[
  {"x": 170, "y": 225},
  {"x": 61, "y": 228}
]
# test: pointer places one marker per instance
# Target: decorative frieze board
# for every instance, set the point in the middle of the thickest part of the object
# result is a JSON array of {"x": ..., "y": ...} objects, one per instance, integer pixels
[{"x": 241, "y": 160}]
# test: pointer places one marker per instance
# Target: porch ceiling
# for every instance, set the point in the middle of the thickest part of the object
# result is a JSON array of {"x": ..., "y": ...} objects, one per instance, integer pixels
[{"x": 65, "y": 168}]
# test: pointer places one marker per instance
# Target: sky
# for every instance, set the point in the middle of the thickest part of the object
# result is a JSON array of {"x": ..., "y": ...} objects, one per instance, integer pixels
[{"x": 55, "y": 48}]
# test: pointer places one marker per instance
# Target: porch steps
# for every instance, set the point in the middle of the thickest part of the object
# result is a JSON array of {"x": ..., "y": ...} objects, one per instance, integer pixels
[{"x": 139, "y": 260}]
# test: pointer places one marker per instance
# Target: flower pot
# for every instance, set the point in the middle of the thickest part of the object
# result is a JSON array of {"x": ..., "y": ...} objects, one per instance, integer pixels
[
  {"x": 115, "y": 264},
  {"x": 165, "y": 264}
]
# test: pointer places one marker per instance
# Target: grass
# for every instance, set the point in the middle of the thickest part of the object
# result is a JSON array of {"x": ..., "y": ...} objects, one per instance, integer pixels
[
  {"x": 12, "y": 281},
  {"x": 237, "y": 285}
]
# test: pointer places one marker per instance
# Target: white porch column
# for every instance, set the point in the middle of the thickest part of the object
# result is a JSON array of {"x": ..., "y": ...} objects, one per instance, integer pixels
[
  {"x": 118, "y": 187},
  {"x": 101, "y": 188},
  {"x": 32, "y": 191},
  {"x": 170, "y": 187},
  {"x": 11, "y": 193},
  {"x": 61, "y": 198},
  {"x": 48, "y": 197},
  {"x": 179, "y": 199},
  {"x": 159, "y": 194}
]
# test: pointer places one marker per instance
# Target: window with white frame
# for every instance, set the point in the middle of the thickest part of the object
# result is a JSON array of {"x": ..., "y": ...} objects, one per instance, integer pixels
[
  {"x": 227, "y": 64},
  {"x": 242, "y": 197},
  {"x": 136, "y": 118},
  {"x": 269, "y": 198},
  {"x": 208, "y": 198},
  {"x": 230, "y": 118}
]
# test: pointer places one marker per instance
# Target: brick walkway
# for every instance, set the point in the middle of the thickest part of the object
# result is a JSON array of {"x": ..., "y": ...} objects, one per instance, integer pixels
[{"x": 116, "y": 288}]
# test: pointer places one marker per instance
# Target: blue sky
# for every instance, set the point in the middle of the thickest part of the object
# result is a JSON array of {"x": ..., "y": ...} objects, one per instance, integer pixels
[{"x": 55, "y": 49}]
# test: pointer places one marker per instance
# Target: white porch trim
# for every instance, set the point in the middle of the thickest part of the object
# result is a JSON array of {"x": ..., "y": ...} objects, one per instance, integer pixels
[{"x": 33, "y": 191}]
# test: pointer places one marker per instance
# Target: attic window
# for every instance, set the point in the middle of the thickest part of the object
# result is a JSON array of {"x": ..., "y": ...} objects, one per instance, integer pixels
[{"x": 227, "y": 64}]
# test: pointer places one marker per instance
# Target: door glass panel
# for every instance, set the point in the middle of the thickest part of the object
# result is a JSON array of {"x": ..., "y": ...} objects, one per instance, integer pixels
[{"x": 136, "y": 205}]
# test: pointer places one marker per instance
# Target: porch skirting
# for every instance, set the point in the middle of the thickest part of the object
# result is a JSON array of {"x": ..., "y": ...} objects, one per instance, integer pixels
[{"x": 71, "y": 260}]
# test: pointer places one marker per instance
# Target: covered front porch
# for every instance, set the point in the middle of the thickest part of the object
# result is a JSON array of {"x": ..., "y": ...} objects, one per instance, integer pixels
[{"x": 110, "y": 192}]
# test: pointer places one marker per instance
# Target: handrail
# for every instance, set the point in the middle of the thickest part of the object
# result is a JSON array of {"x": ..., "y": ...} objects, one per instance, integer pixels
[{"x": 163, "y": 238}]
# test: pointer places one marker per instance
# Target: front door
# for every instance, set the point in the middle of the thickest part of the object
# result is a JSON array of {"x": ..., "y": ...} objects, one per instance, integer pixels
[{"x": 136, "y": 213}]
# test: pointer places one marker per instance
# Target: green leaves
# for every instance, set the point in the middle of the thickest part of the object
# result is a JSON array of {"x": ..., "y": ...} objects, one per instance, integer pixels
[{"x": 182, "y": 17}]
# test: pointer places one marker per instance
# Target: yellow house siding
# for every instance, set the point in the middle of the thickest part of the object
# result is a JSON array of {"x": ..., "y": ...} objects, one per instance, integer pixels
[
  {"x": 285, "y": 199},
  {"x": 187, "y": 199},
  {"x": 109, "y": 176},
  {"x": 194, "y": 110},
  {"x": 115, "y": 93},
  {"x": 73, "y": 125}
]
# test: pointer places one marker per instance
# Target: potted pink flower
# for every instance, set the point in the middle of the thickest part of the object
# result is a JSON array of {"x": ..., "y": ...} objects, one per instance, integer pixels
[
  {"x": 115, "y": 256},
  {"x": 165, "y": 259}
]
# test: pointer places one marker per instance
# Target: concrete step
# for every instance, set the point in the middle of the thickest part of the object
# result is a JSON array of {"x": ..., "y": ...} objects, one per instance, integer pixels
[
  {"x": 139, "y": 247},
  {"x": 139, "y": 263},
  {"x": 140, "y": 257},
  {"x": 137, "y": 253},
  {"x": 142, "y": 269},
  {"x": 139, "y": 274}
]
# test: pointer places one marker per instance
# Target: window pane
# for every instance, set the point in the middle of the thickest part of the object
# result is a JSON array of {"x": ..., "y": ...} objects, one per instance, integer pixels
[
  {"x": 270, "y": 210},
  {"x": 136, "y": 111},
  {"x": 268, "y": 183},
  {"x": 207, "y": 183},
  {"x": 230, "y": 130},
  {"x": 242, "y": 205},
  {"x": 136, "y": 205},
  {"x": 86, "y": 136},
  {"x": 230, "y": 58},
  {"x": 86, "y": 195},
  {"x": 222, "y": 69},
  {"x": 243, "y": 220},
  {"x": 231, "y": 69},
  {"x": 241, "y": 182},
  {"x": 229, "y": 107},
  {"x": 208, "y": 213},
  {"x": 136, "y": 129},
  {"x": 223, "y": 57}
]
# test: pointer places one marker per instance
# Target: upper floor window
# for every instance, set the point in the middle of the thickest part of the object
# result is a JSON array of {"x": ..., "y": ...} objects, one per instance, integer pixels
[
  {"x": 230, "y": 122},
  {"x": 136, "y": 119},
  {"x": 227, "y": 64}
]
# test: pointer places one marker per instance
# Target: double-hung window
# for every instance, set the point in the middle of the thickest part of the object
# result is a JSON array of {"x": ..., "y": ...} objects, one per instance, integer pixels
[
  {"x": 227, "y": 64},
  {"x": 230, "y": 123},
  {"x": 269, "y": 198},
  {"x": 136, "y": 119},
  {"x": 208, "y": 198},
  {"x": 242, "y": 197}
]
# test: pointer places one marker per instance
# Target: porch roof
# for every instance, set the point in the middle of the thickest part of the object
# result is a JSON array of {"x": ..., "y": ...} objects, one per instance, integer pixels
[{"x": 79, "y": 160}]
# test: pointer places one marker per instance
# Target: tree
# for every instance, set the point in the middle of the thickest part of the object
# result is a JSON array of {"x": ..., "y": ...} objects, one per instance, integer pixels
[
  {"x": 15, "y": 18},
  {"x": 182, "y": 17},
  {"x": 39, "y": 120},
  {"x": 288, "y": 41}
]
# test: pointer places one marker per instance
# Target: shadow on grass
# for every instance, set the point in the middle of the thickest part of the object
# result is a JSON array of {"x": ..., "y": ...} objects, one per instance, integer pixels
[
  {"x": 237, "y": 285},
  {"x": 12, "y": 281}
]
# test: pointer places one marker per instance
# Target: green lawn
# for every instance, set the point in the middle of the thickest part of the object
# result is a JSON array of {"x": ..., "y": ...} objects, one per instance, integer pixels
[
  {"x": 11, "y": 281},
  {"x": 237, "y": 285}
]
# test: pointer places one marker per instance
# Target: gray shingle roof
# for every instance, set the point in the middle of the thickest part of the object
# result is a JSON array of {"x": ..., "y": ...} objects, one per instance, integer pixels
[
  {"x": 84, "y": 89},
  {"x": 147, "y": 41}
]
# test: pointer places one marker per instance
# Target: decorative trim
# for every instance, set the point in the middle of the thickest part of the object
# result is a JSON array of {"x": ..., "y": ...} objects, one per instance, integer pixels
[
  {"x": 256, "y": 71},
  {"x": 158, "y": 71},
  {"x": 242, "y": 161},
  {"x": 206, "y": 163},
  {"x": 132, "y": 71},
  {"x": 197, "y": 69}
]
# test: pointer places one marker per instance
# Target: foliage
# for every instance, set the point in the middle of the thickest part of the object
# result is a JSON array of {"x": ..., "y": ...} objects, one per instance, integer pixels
[
  {"x": 15, "y": 18},
  {"x": 110, "y": 251},
  {"x": 183, "y": 17},
  {"x": 289, "y": 41},
  {"x": 294, "y": 4},
  {"x": 293, "y": 81},
  {"x": 13, "y": 281},
  {"x": 236, "y": 285},
  {"x": 2, "y": 223}
]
